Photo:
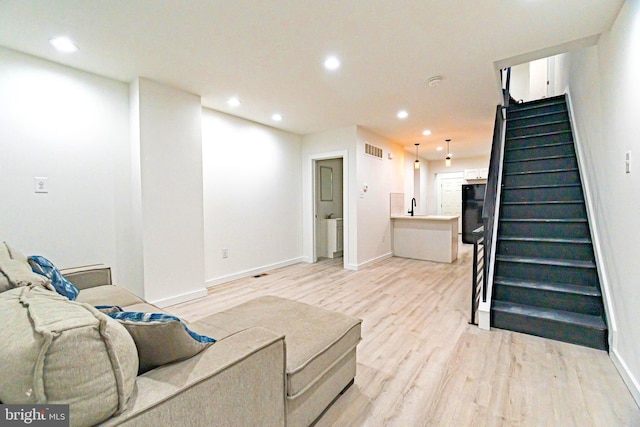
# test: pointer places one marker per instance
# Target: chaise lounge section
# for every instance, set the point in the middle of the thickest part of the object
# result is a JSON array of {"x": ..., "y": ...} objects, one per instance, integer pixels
[{"x": 276, "y": 362}]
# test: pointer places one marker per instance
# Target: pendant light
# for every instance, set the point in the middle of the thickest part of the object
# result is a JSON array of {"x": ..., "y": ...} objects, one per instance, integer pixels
[
  {"x": 447, "y": 160},
  {"x": 416, "y": 164}
]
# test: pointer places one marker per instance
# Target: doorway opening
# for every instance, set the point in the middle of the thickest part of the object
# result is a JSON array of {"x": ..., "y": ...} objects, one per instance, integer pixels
[{"x": 329, "y": 208}]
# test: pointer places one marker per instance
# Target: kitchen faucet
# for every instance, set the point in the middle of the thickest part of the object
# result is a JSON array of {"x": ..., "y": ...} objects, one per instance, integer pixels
[{"x": 413, "y": 204}]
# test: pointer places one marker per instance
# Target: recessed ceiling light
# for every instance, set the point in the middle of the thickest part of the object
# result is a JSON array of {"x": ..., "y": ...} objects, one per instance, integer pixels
[
  {"x": 402, "y": 114},
  {"x": 332, "y": 63},
  {"x": 439, "y": 149},
  {"x": 426, "y": 132},
  {"x": 63, "y": 44},
  {"x": 277, "y": 117},
  {"x": 233, "y": 101}
]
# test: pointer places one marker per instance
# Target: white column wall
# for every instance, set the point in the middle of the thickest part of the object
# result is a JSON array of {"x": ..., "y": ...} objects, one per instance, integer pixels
[
  {"x": 69, "y": 126},
  {"x": 170, "y": 124},
  {"x": 382, "y": 177},
  {"x": 252, "y": 197},
  {"x": 317, "y": 145},
  {"x": 604, "y": 92}
]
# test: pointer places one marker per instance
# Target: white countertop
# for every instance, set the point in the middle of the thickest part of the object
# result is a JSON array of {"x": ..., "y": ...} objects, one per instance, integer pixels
[{"x": 426, "y": 217}]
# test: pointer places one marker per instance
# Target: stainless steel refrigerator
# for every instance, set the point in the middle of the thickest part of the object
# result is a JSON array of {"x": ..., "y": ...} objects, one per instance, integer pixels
[{"x": 472, "y": 203}]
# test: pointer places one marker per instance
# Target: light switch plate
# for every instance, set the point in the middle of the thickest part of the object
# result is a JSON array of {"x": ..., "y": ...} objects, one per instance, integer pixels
[
  {"x": 41, "y": 184},
  {"x": 627, "y": 162}
]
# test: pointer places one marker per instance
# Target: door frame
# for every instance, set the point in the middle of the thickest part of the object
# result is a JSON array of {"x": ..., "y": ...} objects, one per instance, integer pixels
[{"x": 346, "y": 221}]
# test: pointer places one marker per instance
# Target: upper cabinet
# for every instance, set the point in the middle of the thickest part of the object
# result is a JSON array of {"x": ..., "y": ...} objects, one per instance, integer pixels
[{"x": 471, "y": 174}]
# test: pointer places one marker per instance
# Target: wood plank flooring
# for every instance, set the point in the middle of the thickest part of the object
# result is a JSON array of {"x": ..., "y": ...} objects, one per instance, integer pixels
[{"x": 421, "y": 364}]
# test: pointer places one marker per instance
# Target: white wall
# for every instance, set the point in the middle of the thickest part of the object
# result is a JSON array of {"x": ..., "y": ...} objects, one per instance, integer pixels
[
  {"x": 329, "y": 144},
  {"x": 382, "y": 177},
  {"x": 538, "y": 79},
  {"x": 604, "y": 92},
  {"x": 416, "y": 184},
  {"x": 170, "y": 124},
  {"x": 252, "y": 197},
  {"x": 457, "y": 165},
  {"x": 519, "y": 85},
  {"x": 69, "y": 126}
]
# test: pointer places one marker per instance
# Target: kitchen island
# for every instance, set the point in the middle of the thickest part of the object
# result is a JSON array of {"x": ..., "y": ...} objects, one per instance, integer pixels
[{"x": 425, "y": 237}]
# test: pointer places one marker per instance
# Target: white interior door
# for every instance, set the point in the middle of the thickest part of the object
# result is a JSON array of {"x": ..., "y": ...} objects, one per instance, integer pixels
[{"x": 451, "y": 198}]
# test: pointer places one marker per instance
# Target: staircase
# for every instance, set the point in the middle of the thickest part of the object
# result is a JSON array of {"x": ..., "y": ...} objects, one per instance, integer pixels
[{"x": 546, "y": 280}]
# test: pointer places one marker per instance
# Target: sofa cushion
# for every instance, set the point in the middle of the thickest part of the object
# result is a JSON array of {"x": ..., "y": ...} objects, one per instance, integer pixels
[
  {"x": 108, "y": 295},
  {"x": 161, "y": 338},
  {"x": 316, "y": 338},
  {"x": 143, "y": 306},
  {"x": 44, "y": 267},
  {"x": 56, "y": 351},
  {"x": 15, "y": 270}
]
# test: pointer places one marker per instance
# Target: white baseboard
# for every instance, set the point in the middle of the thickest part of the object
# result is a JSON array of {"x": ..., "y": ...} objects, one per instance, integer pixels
[
  {"x": 177, "y": 299},
  {"x": 627, "y": 376},
  {"x": 372, "y": 260},
  {"x": 484, "y": 316},
  {"x": 352, "y": 267},
  {"x": 252, "y": 272}
]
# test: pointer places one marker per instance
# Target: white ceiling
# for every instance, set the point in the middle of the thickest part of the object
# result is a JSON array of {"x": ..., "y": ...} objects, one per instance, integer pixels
[{"x": 269, "y": 53}]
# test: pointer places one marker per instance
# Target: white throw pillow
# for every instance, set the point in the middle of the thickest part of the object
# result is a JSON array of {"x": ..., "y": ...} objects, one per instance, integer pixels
[{"x": 56, "y": 351}]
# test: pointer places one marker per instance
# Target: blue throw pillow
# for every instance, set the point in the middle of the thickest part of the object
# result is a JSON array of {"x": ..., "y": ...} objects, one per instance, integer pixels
[
  {"x": 43, "y": 266},
  {"x": 136, "y": 316},
  {"x": 161, "y": 338}
]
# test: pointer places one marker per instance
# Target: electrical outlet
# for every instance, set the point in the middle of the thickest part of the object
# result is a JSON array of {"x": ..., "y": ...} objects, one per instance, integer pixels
[{"x": 225, "y": 253}]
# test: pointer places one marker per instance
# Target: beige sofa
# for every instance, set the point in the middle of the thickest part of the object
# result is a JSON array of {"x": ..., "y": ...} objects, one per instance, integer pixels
[{"x": 276, "y": 362}]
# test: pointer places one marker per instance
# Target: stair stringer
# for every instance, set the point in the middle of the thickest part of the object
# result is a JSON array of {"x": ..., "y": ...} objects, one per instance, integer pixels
[{"x": 605, "y": 287}]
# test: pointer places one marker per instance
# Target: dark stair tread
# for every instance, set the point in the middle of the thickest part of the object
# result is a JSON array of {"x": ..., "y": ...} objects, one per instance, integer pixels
[
  {"x": 547, "y": 261},
  {"x": 546, "y": 202},
  {"x": 583, "y": 320},
  {"x": 574, "y": 240},
  {"x": 542, "y": 171},
  {"x": 546, "y": 220},
  {"x": 538, "y": 135},
  {"x": 537, "y": 159},
  {"x": 533, "y": 147},
  {"x": 538, "y": 103},
  {"x": 535, "y": 116},
  {"x": 535, "y": 125},
  {"x": 589, "y": 291},
  {"x": 535, "y": 186}
]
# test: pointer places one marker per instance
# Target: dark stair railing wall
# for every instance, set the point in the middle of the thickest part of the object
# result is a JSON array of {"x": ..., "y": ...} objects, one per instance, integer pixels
[
  {"x": 545, "y": 277},
  {"x": 490, "y": 212}
]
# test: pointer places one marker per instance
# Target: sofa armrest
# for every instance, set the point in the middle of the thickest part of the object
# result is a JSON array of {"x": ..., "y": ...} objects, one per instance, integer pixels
[
  {"x": 238, "y": 381},
  {"x": 88, "y": 276}
]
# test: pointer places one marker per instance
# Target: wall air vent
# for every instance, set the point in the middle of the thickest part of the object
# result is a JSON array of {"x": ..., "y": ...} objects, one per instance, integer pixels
[{"x": 373, "y": 151}]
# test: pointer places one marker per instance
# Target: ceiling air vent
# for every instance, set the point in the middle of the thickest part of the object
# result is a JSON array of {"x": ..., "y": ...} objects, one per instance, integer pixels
[{"x": 373, "y": 151}]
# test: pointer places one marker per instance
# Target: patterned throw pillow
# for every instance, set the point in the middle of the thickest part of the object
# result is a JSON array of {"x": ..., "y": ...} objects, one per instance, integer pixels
[
  {"x": 108, "y": 309},
  {"x": 161, "y": 338},
  {"x": 44, "y": 267}
]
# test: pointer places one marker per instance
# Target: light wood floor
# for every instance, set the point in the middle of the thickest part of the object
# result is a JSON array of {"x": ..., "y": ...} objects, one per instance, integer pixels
[{"x": 421, "y": 364}]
